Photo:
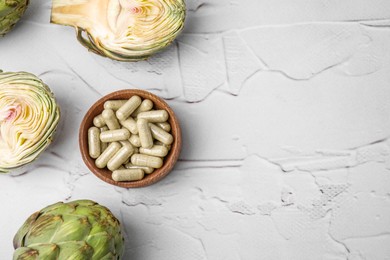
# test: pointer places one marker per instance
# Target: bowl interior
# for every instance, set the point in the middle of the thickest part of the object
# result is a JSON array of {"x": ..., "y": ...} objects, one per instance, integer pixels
[{"x": 105, "y": 174}]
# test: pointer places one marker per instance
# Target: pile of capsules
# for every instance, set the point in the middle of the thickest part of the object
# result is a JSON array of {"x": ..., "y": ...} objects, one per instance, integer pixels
[{"x": 130, "y": 138}]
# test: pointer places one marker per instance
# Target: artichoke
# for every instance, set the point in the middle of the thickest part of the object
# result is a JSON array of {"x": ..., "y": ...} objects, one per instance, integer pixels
[
  {"x": 10, "y": 13},
  {"x": 78, "y": 230},
  {"x": 124, "y": 30},
  {"x": 29, "y": 116}
]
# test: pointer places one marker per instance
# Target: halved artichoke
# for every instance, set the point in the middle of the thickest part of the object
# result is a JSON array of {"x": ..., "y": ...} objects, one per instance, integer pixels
[
  {"x": 80, "y": 229},
  {"x": 124, "y": 30},
  {"x": 29, "y": 116},
  {"x": 10, "y": 13}
]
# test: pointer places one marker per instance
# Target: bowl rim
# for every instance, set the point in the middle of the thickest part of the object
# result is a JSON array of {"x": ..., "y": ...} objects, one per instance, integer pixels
[{"x": 104, "y": 174}]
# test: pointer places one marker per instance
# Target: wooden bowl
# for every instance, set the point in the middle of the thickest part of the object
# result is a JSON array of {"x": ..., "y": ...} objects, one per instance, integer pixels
[{"x": 105, "y": 174}]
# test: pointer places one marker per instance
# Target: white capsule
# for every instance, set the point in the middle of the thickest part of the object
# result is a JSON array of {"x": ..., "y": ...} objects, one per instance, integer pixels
[
  {"x": 103, "y": 146},
  {"x": 135, "y": 141},
  {"x": 145, "y": 134},
  {"x": 115, "y": 135},
  {"x": 94, "y": 142},
  {"x": 128, "y": 108},
  {"x": 98, "y": 121},
  {"x": 114, "y": 104},
  {"x": 160, "y": 135},
  {"x": 146, "y": 160},
  {"x": 130, "y": 124},
  {"x": 120, "y": 157},
  {"x": 155, "y": 116},
  {"x": 103, "y": 159},
  {"x": 147, "y": 170},
  {"x": 164, "y": 126},
  {"x": 156, "y": 150},
  {"x": 146, "y": 105},
  {"x": 128, "y": 175},
  {"x": 110, "y": 119}
]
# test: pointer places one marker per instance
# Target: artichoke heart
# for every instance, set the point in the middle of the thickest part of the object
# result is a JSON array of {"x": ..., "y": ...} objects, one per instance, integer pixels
[
  {"x": 10, "y": 13},
  {"x": 81, "y": 229},
  {"x": 124, "y": 30},
  {"x": 29, "y": 116}
]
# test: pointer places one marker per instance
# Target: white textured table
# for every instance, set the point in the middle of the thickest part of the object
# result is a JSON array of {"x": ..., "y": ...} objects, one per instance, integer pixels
[{"x": 286, "y": 118}]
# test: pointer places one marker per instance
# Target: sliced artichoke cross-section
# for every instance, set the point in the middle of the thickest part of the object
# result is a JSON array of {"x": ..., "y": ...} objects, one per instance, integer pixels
[
  {"x": 124, "y": 30},
  {"x": 10, "y": 13},
  {"x": 29, "y": 116}
]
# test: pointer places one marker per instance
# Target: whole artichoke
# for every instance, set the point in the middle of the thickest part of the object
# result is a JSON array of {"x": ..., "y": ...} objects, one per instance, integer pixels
[
  {"x": 124, "y": 30},
  {"x": 29, "y": 116},
  {"x": 10, "y": 13},
  {"x": 78, "y": 230}
]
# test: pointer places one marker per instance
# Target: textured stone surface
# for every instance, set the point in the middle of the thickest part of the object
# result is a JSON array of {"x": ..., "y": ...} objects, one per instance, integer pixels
[{"x": 285, "y": 113}]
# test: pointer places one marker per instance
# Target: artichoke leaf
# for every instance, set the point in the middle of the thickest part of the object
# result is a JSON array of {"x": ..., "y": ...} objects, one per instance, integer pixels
[
  {"x": 102, "y": 243},
  {"x": 25, "y": 253},
  {"x": 75, "y": 250},
  {"x": 40, "y": 251},
  {"x": 43, "y": 229},
  {"x": 23, "y": 230},
  {"x": 74, "y": 228}
]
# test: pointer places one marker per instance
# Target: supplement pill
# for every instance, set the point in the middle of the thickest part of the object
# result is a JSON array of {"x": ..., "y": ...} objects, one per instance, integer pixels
[
  {"x": 120, "y": 157},
  {"x": 128, "y": 175},
  {"x": 103, "y": 159},
  {"x": 146, "y": 160},
  {"x": 160, "y": 135},
  {"x": 98, "y": 121},
  {"x": 146, "y": 105},
  {"x": 164, "y": 126},
  {"x": 145, "y": 134},
  {"x": 94, "y": 142},
  {"x": 130, "y": 124},
  {"x": 128, "y": 108},
  {"x": 114, "y": 104},
  {"x": 155, "y": 116},
  {"x": 110, "y": 119},
  {"x": 157, "y": 150},
  {"x": 115, "y": 135}
]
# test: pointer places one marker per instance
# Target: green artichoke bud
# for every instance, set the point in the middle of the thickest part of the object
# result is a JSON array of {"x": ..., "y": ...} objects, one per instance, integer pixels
[
  {"x": 80, "y": 229},
  {"x": 29, "y": 116},
  {"x": 10, "y": 13},
  {"x": 124, "y": 30}
]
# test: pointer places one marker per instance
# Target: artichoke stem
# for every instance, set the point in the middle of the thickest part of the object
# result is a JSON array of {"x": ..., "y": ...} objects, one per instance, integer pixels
[{"x": 74, "y": 12}]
